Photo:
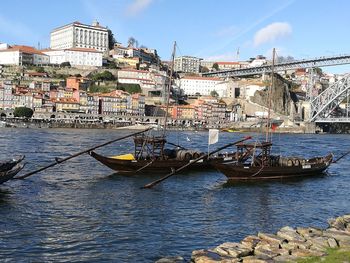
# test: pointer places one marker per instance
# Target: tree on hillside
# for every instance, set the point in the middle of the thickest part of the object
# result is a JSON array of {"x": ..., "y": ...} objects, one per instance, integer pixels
[
  {"x": 130, "y": 88},
  {"x": 213, "y": 93},
  {"x": 216, "y": 66},
  {"x": 40, "y": 70},
  {"x": 23, "y": 112},
  {"x": 103, "y": 76},
  {"x": 111, "y": 39},
  {"x": 203, "y": 69},
  {"x": 65, "y": 64},
  {"x": 132, "y": 42}
]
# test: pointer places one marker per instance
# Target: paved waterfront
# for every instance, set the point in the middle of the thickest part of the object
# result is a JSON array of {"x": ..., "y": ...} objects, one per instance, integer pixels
[{"x": 81, "y": 211}]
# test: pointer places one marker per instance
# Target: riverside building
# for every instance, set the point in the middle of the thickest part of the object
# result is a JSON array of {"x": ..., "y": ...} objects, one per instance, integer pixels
[
  {"x": 187, "y": 64},
  {"x": 78, "y": 35}
]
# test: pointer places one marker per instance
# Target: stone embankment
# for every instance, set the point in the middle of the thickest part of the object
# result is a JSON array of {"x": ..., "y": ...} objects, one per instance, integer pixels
[{"x": 287, "y": 245}]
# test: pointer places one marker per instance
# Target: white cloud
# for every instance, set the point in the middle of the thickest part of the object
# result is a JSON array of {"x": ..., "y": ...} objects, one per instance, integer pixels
[
  {"x": 272, "y": 32},
  {"x": 137, "y": 6}
]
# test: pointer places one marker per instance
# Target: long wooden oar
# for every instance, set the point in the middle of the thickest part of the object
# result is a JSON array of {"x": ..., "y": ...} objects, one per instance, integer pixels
[
  {"x": 58, "y": 161},
  {"x": 341, "y": 157},
  {"x": 150, "y": 185}
]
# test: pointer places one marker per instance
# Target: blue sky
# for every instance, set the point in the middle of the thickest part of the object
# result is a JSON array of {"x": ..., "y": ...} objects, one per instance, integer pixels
[{"x": 208, "y": 29}]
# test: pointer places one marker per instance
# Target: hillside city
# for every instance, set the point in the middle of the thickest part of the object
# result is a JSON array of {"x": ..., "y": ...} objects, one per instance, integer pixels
[{"x": 89, "y": 77}]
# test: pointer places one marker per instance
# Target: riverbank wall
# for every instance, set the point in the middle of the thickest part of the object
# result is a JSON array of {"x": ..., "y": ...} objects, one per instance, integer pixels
[
  {"x": 77, "y": 124},
  {"x": 287, "y": 245}
]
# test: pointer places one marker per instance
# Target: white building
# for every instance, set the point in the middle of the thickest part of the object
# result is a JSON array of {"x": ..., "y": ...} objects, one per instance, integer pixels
[
  {"x": 77, "y": 57},
  {"x": 200, "y": 85},
  {"x": 23, "y": 55},
  {"x": 187, "y": 64},
  {"x": 78, "y": 35}
]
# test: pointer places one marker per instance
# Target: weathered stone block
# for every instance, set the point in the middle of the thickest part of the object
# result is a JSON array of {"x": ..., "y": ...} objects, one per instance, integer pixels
[
  {"x": 346, "y": 219},
  {"x": 319, "y": 241},
  {"x": 309, "y": 232},
  {"x": 270, "y": 238},
  {"x": 205, "y": 256},
  {"x": 332, "y": 243},
  {"x": 296, "y": 245},
  {"x": 337, "y": 223},
  {"x": 266, "y": 253},
  {"x": 250, "y": 241},
  {"x": 290, "y": 234},
  {"x": 267, "y": 245},
  {"x": 342, "y": 237},
  {"x": 233, "y": 249}
]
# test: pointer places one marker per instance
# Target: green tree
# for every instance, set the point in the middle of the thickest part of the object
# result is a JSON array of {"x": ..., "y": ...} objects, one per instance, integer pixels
[
  {"x": 213, "y": 93},
  {"x": 23, "y": 112},
  {"x": 130, "y": 88},
  {"x": 105, "y": 75},
  {"x": 65, "y": 64},
  {"x": 101, "y": 89},
  {"x": 111, "y": 39},
  {"x": 216, "y": 66},
  {"x": 40, "y": 70},
  {"x": 203, "y": 69}
]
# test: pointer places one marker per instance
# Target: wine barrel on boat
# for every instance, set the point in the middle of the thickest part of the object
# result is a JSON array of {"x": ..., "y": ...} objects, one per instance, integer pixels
[
  {"x": 186, "y": 155},
  {"x": 291, "y": 161}
]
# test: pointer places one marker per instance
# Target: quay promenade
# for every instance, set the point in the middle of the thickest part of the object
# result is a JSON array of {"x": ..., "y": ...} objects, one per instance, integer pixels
[{"x": 96, "y": 123}]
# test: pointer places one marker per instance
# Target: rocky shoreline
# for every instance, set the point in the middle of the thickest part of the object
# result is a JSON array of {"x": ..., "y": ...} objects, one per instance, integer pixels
[{"x": 287, "y": 245}]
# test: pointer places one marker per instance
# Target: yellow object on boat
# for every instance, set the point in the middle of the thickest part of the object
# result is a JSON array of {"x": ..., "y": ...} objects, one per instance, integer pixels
[{"x": 128, "y": 157}]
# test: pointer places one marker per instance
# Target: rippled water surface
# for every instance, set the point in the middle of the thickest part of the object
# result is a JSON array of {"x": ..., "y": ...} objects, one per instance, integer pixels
[{"x": 82, "y": 211}]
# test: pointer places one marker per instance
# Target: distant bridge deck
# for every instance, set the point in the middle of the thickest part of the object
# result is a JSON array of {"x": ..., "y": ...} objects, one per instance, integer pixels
[{"x": 304, "y": 63}]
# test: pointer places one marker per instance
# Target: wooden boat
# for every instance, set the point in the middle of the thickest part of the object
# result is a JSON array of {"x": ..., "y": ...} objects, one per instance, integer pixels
[
  {"x": 9, "y": 174},
  {"x": 256, "y": 163},
  {"x": 151, "y": 157},
  {"x": 7, "y": 165}
]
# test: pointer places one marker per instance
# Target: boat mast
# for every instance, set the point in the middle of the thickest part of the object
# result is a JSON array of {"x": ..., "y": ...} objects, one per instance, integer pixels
[
  {"x": 269, "y": 94},
  {"x": 169, "y": 86}
]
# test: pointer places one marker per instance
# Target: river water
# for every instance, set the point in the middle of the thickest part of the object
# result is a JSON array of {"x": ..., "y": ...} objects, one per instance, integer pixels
[{"x": 82, "y": 211}]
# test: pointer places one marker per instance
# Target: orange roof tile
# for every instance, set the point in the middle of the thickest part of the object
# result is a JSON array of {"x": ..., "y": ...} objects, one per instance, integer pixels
[{"x": 25, "y": 49}]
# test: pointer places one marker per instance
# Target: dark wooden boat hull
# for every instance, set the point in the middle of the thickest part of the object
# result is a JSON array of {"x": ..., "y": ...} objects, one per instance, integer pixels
[
  {"x": 157, "y": 166},
  {"x": 7, "y": 165},
  {"x": 240, "y": 172},
  {"x": 8, "y": 175}
]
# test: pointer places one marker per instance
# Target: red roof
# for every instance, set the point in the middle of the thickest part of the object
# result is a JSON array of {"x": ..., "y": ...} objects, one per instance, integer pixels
[{"x": 24, "y": 49}]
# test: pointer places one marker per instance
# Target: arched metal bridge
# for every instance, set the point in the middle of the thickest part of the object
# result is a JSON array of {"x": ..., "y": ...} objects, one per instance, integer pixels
[
  {"x": 324, "y": 107},
  {"x": 304, "y": 63}
]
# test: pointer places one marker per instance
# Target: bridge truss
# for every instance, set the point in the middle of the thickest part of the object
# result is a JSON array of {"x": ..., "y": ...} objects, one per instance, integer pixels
[
  {"x": 304, "y": 63},
  {"x": 323, "y": 108}
]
